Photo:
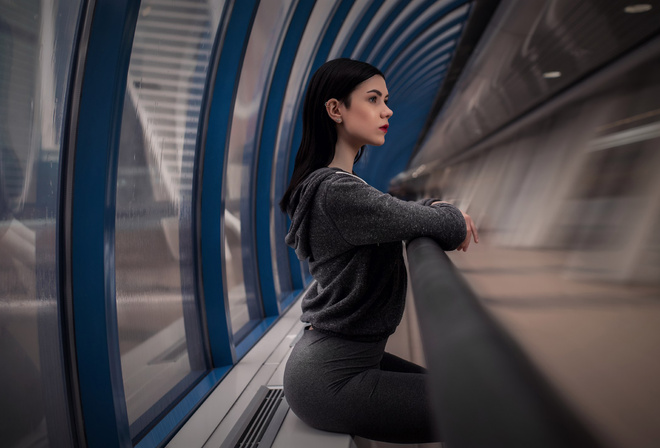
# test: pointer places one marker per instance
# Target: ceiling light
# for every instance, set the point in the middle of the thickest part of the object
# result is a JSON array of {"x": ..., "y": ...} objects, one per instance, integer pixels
[
  {"x": 549, "y": 75},
  {"x": 640, "y": 7}
]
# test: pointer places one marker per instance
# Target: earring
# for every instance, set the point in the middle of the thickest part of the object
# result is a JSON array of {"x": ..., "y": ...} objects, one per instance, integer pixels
[{"x": 338, "y": 120}]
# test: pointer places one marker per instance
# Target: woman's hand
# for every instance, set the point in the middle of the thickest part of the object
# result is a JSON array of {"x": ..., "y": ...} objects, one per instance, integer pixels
[
  {"x": 471, "y": 232},
  {"x": 471, "y": 229}
]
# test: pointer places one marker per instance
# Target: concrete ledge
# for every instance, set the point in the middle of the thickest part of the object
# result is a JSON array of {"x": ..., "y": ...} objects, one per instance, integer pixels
[{"x": 294, "y": 433}]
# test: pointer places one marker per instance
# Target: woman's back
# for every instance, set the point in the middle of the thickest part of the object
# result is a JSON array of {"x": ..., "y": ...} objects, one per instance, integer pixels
[{"x": 351, "y": 235}]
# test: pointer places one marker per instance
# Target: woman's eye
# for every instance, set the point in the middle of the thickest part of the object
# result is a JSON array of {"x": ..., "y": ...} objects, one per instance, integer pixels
[{"x": 373, "y": 99}]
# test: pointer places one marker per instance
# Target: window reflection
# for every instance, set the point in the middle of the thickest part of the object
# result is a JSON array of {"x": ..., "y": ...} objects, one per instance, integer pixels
[
  {"x": 36, "y": 47},
  {"x": 240, "y": 264},
  {"x": 159, "y": 332},
  {"x": 285, "y": 149}
]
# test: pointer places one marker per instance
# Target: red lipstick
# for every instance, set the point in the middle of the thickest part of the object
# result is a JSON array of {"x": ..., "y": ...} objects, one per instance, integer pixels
[{"x": 384, "y": 128}]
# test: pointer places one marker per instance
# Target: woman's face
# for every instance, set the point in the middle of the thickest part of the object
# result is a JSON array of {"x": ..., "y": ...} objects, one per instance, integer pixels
[{"x": 365, "y": 122}]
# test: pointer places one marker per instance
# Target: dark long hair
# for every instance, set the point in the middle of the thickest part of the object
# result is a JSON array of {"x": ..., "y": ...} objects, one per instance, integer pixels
[{"x": 334, "y": 79}]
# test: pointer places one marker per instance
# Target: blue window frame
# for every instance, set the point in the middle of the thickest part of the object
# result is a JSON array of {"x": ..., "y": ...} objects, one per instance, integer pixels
[{"x": 240, "y": 267}]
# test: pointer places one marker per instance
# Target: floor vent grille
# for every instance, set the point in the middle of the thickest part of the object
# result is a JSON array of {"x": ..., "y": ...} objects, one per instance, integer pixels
[{"x": 259, "y": 424}]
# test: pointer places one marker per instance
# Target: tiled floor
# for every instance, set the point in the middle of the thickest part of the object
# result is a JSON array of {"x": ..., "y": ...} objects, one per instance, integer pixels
[{"x": 596, "y": 341}]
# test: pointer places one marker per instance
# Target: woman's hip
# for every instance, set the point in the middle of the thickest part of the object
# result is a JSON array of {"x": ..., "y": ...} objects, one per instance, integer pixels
[{"x": 318, "y": 354}]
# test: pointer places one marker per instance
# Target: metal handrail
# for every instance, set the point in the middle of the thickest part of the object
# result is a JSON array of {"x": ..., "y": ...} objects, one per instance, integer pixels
[{"x": 484, "y": 389}]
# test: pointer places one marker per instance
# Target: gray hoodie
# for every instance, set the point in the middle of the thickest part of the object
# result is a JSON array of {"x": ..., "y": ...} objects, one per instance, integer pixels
[{"x": 351, "y": 234}]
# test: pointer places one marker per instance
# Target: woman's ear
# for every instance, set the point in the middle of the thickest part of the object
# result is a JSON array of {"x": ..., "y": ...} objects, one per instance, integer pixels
[{"x": 332, "y": 107}]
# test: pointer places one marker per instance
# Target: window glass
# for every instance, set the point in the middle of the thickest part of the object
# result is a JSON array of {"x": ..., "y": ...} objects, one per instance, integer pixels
[
  {"x": 300, "y": 71},
  {"x": 240, "y": 262},
  {"x": 36, "y": 48},
  {"x": 160, "y": 335},
  {"x": 348, "y": 27}
]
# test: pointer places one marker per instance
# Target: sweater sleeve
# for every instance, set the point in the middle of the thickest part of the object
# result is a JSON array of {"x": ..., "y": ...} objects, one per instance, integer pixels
[
  {"x": 364, "y": 215},
  {"x": 426, "y": 201}
]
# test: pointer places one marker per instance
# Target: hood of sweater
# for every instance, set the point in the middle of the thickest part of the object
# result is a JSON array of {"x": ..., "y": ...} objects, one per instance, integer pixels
[{"x": 300, "y": 206}]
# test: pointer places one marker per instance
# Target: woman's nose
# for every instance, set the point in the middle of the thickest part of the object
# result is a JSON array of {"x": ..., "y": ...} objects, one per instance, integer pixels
[{"x": 387, "y": 113}]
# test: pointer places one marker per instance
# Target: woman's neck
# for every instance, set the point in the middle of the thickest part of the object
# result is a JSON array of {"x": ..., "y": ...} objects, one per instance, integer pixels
[{"x": 344, "y": 156}]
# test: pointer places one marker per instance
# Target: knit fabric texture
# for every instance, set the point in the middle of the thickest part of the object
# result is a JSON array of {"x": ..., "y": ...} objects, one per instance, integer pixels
[{"x": 351, "y": 235}]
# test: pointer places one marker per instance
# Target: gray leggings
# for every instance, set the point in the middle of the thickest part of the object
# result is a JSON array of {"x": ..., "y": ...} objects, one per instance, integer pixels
[{"x": 356, "y": 388}]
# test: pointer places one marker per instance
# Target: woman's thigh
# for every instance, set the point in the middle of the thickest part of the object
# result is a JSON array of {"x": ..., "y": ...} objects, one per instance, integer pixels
[
  {"x": 388, "y": 406},
  {"x": 395, "y": 364},
  {"x": 341, "y": 386}
]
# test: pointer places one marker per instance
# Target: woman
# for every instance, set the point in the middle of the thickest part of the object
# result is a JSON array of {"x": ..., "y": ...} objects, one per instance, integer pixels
[{"x": 338, "y": 377}]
